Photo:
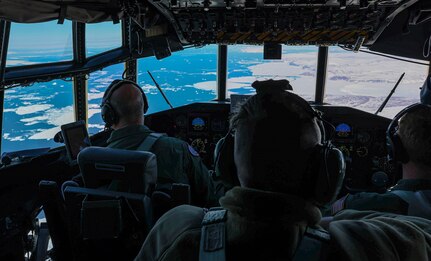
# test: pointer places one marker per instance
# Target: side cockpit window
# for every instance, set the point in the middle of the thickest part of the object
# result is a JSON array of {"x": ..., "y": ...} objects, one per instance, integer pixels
[
  {"x": 102, "y": 37},
  {"x": 364, "y": 80},
  {"x": 33, "y": 114},
  {"x": 39, "y": 43}
]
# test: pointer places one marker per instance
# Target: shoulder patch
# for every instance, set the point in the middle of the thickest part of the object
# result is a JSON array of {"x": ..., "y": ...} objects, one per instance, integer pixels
[
  {"x": 193, "y": 151},
  {"x": 338, "y": 205}
]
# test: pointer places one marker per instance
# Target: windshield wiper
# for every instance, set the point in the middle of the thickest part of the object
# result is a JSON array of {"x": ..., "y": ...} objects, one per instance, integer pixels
[
  {"x": 160, "y": 89},
  {"x": 390, "y": 95}
]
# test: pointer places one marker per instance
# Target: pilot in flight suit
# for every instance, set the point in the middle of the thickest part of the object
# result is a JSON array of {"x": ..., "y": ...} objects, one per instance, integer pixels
[
  {"x": 276, "y": 138},
  {"x": 177, "y": 162},
  {"x": 410, "y": 144},
  {"x": 123, "y": 107}
]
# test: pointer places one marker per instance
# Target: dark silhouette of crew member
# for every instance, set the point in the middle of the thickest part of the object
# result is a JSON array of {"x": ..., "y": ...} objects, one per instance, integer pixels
[
  {"x": 123, "y": 106},
  {"x": 277, "y": 150},
  {"x": 409, "y": 143}
]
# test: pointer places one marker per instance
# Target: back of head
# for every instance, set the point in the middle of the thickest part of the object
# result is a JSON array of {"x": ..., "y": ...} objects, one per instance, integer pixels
[
  {"x": 415, "y": 134},
  {"x": 128, "y": 103},
  {"x": 276, "y": 133}
]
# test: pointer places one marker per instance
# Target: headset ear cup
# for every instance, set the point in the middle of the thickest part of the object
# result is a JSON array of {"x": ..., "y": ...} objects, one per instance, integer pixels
[
  {"x": 330, "y": 175},
  {"x": 108, "y": 114}
]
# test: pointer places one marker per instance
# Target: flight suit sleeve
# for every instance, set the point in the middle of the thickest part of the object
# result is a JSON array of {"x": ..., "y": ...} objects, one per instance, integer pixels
[
  {"x": 385, "y": 202},
  {"x": 201, "y": 185},
  {"x": 175, "y": 236}
]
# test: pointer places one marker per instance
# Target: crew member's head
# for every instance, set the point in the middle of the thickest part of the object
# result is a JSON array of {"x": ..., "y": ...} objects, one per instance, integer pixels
[
  {"x": 274, "y": 139},
  {"x": 123, "y": 105},
  {"x": 415, "y": 134}
]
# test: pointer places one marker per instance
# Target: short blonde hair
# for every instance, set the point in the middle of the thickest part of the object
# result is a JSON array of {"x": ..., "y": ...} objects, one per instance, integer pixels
[{"x": 415, "y": 134}]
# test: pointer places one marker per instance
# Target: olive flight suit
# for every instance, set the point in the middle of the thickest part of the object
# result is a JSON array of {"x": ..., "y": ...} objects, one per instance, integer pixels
[
  {"x": 260, "y": 225},
  {"x": 177, "y": 162},
  {"x": 385, "y": 202}
]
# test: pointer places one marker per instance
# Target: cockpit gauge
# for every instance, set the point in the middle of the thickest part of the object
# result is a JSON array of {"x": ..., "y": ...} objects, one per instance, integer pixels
[
  {"x": 181, "y": 121},
  {"x": 343, "y": 130},
  {"x": 363, "y": 137},
  {"x": 217, "y": 137},
  {"x": 198, "y": 145},
  {"x": 382, "y": 163},
  {"x": 380, "y": 148},
  {"x": 362, "y": 152},
  {"x": 345, "y": 151},
  {"x": 218, "y": 125},
  {"x": 379, "y": 162},
  {"x": 198, "y": 124}
]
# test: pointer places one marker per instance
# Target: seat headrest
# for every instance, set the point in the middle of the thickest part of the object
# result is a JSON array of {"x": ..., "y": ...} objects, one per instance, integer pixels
[{"x": 99, "y": 166}]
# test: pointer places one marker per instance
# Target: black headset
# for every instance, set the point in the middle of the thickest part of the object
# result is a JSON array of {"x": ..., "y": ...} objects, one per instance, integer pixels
[
  {"x": 325, "y": 175},
  {"x": 395, "y": 147},
  {"x": 109, "y": 115}
]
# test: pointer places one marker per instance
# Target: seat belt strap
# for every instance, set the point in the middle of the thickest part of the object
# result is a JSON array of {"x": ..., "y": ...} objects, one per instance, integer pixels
[
  {"x": 213, "y": 236},
  {"x": 314, "y": 246},
  {"x": 149, "y": 141},
  {"x": 419, "y": 202}
]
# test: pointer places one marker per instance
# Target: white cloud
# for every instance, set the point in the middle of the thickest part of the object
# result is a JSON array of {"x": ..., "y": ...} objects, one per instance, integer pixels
[
  {"x": 93, "y": 96},
  {"x": 60, "y": 116},
  {"x": 17, "y": 138},
  {"x": 32, "y": 109},
  {"x": 92, "y": 112},
  {"x": 45, "y": 134},
  {"x": 56, "y": 117}
]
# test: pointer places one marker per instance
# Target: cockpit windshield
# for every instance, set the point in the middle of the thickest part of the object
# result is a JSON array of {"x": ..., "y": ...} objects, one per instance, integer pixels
[
  {"x": 33, "y": 114},
  {"x": 298, "y": 64},
  {"x": 39, "y": 43}
]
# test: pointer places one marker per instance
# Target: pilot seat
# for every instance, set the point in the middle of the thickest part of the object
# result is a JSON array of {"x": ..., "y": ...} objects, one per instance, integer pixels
[{"x": 108, "y": 218}]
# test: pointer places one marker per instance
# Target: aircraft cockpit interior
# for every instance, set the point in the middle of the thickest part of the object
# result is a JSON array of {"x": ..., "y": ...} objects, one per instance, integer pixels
[{"x": 357, "y": 62}]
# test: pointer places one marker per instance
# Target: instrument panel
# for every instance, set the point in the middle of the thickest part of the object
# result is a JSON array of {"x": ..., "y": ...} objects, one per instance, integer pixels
[
  {"x": 201, "y": 125},
  {"x": 361, "y": 137}
]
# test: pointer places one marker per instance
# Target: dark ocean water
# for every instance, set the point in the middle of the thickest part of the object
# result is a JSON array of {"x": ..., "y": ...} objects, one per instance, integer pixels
[{"x": 34, "y": 113}]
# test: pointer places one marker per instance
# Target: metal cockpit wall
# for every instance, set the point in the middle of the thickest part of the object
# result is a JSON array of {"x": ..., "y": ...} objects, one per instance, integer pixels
[{"x": 157, "y": 28}]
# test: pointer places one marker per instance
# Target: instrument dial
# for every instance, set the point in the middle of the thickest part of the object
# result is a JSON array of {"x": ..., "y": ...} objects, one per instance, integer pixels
[
  {"x": 181, "y": 121},
  {"x": 362, "y": 152},
  {"x": 198, "y": 145},
  {"x": 345, "y": 151},
  {"x": 218, "y": 125},
  {"x": 364, "y": 137}
]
